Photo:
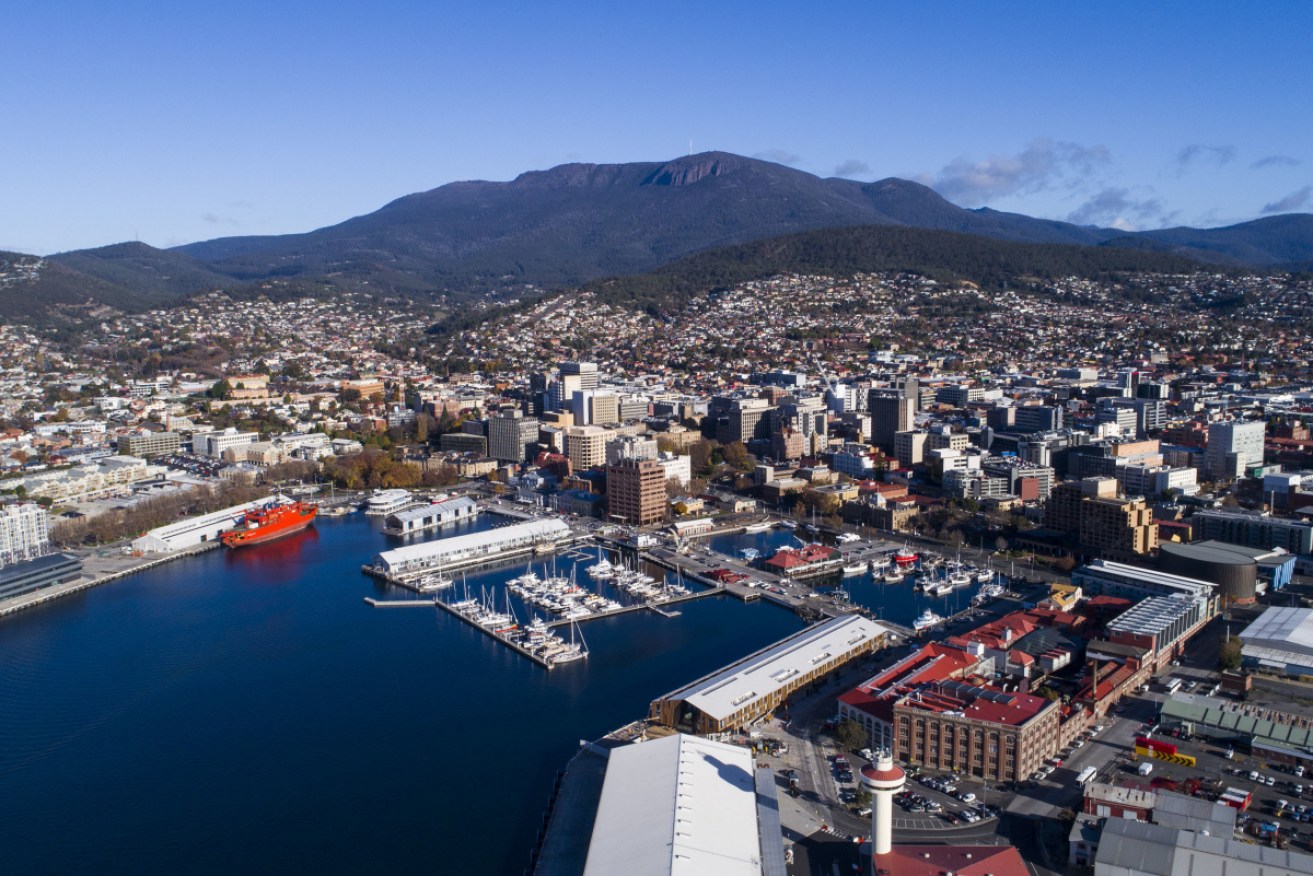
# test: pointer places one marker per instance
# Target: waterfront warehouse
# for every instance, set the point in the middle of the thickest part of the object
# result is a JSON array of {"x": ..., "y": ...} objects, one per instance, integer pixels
[
  {"x": 430, "y": 516},
  {"x": 472, "y": 549},
  {"x": 749, "y": 689},
  {"x": 194, "y": 530},
  {"x": 685, "y": 805}
]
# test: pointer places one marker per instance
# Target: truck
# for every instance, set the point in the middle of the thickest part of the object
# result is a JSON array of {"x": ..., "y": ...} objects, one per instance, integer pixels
[
  {"x": 1171, "y": 685},
  {"x": 1144, "y": 768},
  {"x": 1086, "y": 776}
]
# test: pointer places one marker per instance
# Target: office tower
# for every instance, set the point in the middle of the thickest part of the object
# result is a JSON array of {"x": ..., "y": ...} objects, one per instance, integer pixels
[
  {"x": 511, "y": 435},
  {"x": 1233, "y": 447},
  {"x": 636, "y": 491}
]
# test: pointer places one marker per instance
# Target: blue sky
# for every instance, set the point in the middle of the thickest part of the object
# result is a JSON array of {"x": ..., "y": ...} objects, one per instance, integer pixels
[{"x": 171, "y": 123}]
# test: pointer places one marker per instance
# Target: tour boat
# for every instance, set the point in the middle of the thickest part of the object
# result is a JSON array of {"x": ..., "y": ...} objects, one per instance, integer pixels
[{"x": 927, "y": 620}]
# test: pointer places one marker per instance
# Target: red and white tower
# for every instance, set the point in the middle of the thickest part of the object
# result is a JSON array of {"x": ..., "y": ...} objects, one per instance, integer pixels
[{"x": 884, "y": 780}]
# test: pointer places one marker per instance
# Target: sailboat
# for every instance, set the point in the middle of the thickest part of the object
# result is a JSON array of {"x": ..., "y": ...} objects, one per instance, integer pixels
[{"x": 575, "y": 650}]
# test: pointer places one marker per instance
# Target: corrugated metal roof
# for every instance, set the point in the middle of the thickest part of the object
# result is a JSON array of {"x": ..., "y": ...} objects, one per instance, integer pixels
[
  {"x": 682, "y": 805},
  {"x": 723, "y": 693}
]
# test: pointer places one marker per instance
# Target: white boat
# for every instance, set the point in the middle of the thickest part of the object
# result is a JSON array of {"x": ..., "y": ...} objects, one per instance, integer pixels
[
  {"x": 789, "y": 524},
  {"x": 573, "y": 651},
  {"x": 940, "y": 587},
  {"x": 854, "y": 569},
  {"x": 985, "y": 576},
  {"x": 892, "y": 577},
  {"x": 927, "y": 620},
  {"x": 847, "y": 538},
  {"x": 757, "y": 527},
  {"x": 429, "y": 583},
  {"x": 750, "y": 554}
]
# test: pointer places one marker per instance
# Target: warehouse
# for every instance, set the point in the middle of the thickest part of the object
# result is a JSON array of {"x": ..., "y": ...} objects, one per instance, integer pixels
[
  {"x": 414, "y": 520},
  {"x": 1281, "y": 639},
  {"x": 686, "y": 805},
  {"x": 745, "y": 691},
  {"x": 459, "y": 551},
  {"x": 194, "y": 530}
]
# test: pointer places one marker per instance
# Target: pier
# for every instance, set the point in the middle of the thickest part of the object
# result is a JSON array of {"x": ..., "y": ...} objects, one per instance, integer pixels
[
  {"x": 400, "y": 603},
  {"x": 656, "y": 606},
  {"x": 514, "y": 646}
]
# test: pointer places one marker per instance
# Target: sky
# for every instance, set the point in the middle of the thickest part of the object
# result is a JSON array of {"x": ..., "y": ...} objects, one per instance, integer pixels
[{"x": 176, "y": 122}]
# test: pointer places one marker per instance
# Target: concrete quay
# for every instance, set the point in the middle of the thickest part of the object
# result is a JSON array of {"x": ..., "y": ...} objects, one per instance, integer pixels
[{"x": 99, "y": 567}]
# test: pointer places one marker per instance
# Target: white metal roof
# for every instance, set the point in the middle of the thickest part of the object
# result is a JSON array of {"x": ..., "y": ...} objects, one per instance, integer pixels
[
  {"x": 676, "y": 806},
  {"x": 545, "y": 528},
  {"x": 1285, "y": 630},
  {"x": 723, "y": 693},
  {"x": 450, "y": 506}
]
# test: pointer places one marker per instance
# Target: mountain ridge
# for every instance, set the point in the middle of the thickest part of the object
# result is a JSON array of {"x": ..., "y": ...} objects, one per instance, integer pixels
[{"x": 575, "y": 223}]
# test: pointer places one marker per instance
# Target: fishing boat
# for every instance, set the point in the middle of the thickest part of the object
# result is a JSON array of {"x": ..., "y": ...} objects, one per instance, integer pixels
[
  {"x": 927, "y": 620},
  {"x": 262, "y": 525},
  {"x": 905, "y": 556},
  {"x": 892, "y": 577},
  {"x": 854, "y": 569}
]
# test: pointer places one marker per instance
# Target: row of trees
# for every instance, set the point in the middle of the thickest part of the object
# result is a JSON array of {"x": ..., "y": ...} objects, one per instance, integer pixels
[
  {"x": 133, "y": 520},
  {"x": 374, "y": 469}
]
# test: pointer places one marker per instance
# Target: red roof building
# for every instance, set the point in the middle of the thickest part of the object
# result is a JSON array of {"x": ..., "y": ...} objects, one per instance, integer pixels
[
  {"x": 958, "y": 860},
  {"x": 788, "y": 561}
]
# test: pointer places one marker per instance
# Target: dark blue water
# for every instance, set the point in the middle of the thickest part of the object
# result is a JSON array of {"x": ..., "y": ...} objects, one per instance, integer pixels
[{"x": 247, "y": 712}]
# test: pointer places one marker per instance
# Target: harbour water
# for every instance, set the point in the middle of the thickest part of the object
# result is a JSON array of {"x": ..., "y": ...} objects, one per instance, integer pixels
[{"x": 246, "y": 711}]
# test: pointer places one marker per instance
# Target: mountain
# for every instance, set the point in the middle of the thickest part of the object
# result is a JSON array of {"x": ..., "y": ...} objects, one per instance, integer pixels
[
  {"x": 578, "y": 222},
  {"x": 35, "y": 289},
  {"x": 1272, "y": 241},
  {"x": 844, "y": 252},
  {"x": 158, "y": 274}
]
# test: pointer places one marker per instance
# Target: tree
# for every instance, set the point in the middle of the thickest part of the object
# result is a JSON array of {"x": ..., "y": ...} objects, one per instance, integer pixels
[
  {"x": 1228, "y": 655},
  {"x": 736, "y": 456},
  {"x": 852, "y": 735},
  {"x": 863, "y": 799},
  {"x": 221, "y": 390}
]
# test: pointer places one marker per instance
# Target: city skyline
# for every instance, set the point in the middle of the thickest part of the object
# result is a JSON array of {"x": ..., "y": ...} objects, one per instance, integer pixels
[{"x": 208, "y": 123}]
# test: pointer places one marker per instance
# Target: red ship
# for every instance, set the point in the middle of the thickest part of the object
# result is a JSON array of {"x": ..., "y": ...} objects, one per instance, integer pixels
[{"x": 267, "y": 524}]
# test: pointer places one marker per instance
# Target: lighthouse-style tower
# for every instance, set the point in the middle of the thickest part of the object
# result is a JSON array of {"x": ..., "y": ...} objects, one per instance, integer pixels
[{"x": 884, "y": 780}]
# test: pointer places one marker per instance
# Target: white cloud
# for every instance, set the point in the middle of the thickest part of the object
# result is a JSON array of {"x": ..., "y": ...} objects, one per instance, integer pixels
[{"x": 1044, "y": 164}]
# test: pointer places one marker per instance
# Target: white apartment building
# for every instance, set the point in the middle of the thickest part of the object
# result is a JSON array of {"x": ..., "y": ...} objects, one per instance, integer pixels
[{"x": 24, "y": 533}]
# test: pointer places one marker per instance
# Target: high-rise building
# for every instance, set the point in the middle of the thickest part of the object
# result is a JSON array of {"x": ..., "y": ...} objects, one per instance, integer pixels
[
  {"x": 748, "y": 419},
  {"x": 1099, "y": 522},
  {"x": 24, "y": 533},
  {"x": 592, "y": 407},
  {"x": 511, "y": 435},
  {"x": 630, "y": 447},
  {"x": 1233, "y": 447},
  {"x": 573, "y": 376},
  {"x": 636, "y": 491},
  {"x": 891, "y": 412},
  {"x": 586, "y": 446}
]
